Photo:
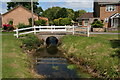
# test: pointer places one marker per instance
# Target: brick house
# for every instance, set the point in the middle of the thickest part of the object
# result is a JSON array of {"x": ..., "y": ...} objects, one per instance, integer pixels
[
  {"x": 108, "y": 12},
  {"x": 18, "y": 15},
  {"x": 86, "y": 19}
]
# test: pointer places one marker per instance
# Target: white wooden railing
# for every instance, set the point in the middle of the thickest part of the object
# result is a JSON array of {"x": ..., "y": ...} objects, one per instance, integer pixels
[{"x": 51, "y": 29}]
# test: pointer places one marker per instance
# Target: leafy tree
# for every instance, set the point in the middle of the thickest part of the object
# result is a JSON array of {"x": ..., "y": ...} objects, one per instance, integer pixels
[
  {"x": 40, "y": 22},
  {"x": 14, "y": 3},
  {"x": 50, "y": 13},
  {"x": 78, "y": 13},
  {"x": 62, "y": 21},
  {"x": 57, "y": 21},
  {"x": 65, "y": 21},
  {"x": 97, "y": 24},
  {"x": 70, "y": 13},
  {"x": 62, "y": 13}
]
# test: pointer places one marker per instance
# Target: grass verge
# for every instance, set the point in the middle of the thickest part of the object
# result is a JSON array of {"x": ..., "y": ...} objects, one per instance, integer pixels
[
  {"x": 15, "y": 63},
  {"x": 100, "y": 52}
]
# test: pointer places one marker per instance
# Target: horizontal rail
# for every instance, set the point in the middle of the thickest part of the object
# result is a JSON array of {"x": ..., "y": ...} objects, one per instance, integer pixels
[{"x": 49, "y": 29}]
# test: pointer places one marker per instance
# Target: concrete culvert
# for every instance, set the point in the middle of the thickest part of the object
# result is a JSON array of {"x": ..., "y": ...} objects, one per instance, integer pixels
[{"x": 51, "y": 41}]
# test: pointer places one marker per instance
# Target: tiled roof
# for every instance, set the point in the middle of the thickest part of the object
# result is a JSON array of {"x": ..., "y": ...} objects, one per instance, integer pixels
[{"x": 86, "y": 16}]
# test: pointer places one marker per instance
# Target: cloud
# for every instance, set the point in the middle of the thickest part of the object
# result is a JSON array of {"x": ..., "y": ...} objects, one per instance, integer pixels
[{"x": 3, "y": 7}]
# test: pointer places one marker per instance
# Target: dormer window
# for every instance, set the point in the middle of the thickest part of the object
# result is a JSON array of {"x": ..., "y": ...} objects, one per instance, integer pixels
[{"x": 110, "y": 8}]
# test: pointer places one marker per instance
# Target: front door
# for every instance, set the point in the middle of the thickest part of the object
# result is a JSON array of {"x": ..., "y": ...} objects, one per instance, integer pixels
[{"x": 116, "y": 22}]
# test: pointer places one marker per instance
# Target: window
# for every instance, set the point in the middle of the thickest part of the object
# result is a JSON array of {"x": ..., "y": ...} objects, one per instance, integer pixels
[
  {"x": 106, "y": 20},
  {"x": 110, "y": 8},
  {"x": 85, "y": 22},
  {"x": 80, "y": 22}
]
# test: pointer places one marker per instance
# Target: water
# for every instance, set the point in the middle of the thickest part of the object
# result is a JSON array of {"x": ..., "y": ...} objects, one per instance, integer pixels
[{"x": 51, "y": 62}]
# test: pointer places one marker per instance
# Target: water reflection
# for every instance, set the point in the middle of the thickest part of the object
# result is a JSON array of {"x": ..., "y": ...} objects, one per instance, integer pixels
[{"x": 52, "y": 50}]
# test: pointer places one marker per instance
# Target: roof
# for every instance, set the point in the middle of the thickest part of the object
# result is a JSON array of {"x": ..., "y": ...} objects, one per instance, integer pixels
[
  {"x": 18, "y": 7},
  {"x": 86, "y": 16}
]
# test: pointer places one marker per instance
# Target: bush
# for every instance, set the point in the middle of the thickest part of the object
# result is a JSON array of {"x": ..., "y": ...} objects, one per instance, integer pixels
[
  {"x": 22, "y": 25},
  {"x": 62, "y": 21},
  {"x": 8, "y": 27},
  {"x": 65, "y": 21},
  {"x": 11, "y": 22},
  {"x": 40, "y": 23},
  {"x": 97, "y": 24},
  {"x": 57, "y": 22},
  {"x": 31, "y": 42}
]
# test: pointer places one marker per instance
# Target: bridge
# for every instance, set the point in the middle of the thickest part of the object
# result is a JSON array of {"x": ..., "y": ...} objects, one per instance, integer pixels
[{"x": 43, "y": 32}]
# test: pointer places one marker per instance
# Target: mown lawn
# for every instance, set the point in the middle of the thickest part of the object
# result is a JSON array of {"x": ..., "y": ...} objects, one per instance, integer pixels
[
  {"x": 101, "y": 52},
  {"x": 15, "y": 63}
]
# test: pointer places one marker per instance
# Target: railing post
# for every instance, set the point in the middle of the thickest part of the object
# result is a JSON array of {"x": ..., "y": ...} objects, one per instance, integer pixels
[
  {"x": 73, "y": 30},
  {"x": 65, "y": 28},
  {"x": 34, "y": 30},
  {"x": 17, "y": 34},
  {"x": 88, "y": 33},
  {"x": 51, "y": 29}
]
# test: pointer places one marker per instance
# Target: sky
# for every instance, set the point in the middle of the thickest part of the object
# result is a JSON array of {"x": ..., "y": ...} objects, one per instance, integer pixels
[{"x": 45, "y": 4}]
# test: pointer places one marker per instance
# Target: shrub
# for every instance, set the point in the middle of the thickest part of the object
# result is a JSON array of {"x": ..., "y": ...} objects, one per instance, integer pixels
[
  {"x": 65, "y": 21},
  {"x": 97, "y": 24},
  {"x": 31, "y": 42},
  {"x": 62, "y": 21},
  {"x": 22, "y": 25},
  {"x": 11, "y": 22},
  {"x": 57, "y": 22},
  {"x": 40, "y": 22},
  {"x": 7, "y": 27}
]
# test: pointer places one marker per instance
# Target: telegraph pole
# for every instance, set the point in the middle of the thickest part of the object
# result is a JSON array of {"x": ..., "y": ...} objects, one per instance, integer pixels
[{"x": 32, "y": 12}]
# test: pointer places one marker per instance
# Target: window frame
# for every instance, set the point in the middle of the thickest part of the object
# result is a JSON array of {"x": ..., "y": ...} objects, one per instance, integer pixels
[{"x": 109, "y": 6}]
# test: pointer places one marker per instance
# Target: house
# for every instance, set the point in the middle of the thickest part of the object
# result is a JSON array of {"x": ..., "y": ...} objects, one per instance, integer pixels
[
  {"x": 86, "y": 19},
  {"x": 108, "y": 12},
  {"x": 18, "y": 15}
]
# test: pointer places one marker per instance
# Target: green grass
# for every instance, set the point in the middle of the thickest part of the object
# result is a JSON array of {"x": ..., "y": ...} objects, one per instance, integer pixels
[
  {"x": 101, "y": 52},
  {"x": 15, "y": 63}
]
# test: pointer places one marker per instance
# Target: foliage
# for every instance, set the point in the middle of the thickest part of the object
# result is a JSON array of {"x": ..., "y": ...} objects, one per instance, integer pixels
[
  {"x": 8, "y": 27},
  {"x": 97, "y": 24},
  {"x": 31, "y": 42},
  {"x": 51, "y": 13},
  {"x": 62, "y": 21},
  {"x": 36, "y": 9},
  {"x": 97, "y": 52},
  {"x": 51, "y": 22},
  {"x": 57, "y": 22},
  {"x": 62, "y": 13},
  {"x": 118, "y": 26},
  {"x": 40, "y": 22},
  {"x": 65, "y": 21},
  {"x": 78, "y": 13},
  {"x": 22, "y": 25},
  {"x": 11, "y": 22},
  {"x": 30, "y": 21}
]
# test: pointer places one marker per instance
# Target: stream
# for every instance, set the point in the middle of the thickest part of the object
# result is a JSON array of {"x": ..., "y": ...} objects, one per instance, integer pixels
[{"x": 50, "y": 62}]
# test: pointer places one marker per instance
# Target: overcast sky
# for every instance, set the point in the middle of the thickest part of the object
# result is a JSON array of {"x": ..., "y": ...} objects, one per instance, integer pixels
[{"x": 73, "y": 4}]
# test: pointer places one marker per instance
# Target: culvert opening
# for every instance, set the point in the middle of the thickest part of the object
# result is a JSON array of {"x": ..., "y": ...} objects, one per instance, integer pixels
[{"x": 53, "y": 41}]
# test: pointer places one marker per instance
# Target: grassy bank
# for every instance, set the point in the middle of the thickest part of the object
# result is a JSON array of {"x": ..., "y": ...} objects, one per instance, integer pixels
[
  {"x": 15, "y": 63},
  {"x": 100, "y": 52}
]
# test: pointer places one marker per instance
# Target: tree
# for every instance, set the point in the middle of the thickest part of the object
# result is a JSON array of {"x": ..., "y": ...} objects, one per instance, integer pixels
[
  {"x": 97, "y": 24},
  {"x": 78, "y": 13},
  {"x": 40, "y": 22},
  {"x": 62, "y": 13},
  {"x": 50, "y": 13},
  {"x": 14, "y": 3},
  {"x": 70, "y": 13},
  {"x": 65, "y": 21}
]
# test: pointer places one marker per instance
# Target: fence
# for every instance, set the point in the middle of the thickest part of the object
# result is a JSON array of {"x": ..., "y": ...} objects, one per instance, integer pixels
[{"x": 51, "y": 29}]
